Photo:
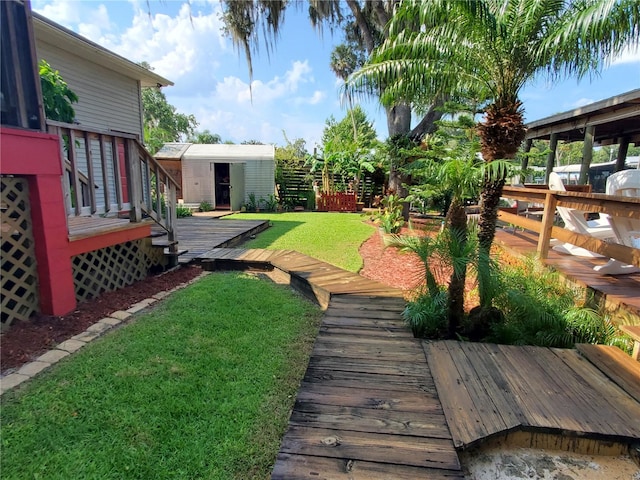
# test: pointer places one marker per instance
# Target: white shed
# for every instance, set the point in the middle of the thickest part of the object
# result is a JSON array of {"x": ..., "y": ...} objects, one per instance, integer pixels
[{"x": 223, "y": 175}]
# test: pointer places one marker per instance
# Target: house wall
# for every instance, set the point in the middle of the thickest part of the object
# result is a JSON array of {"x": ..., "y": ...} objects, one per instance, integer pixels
[
  {"x": 259, "y": 179},
  {"x": 197, "y": 181},
  {"x": 107, "y": 100}
]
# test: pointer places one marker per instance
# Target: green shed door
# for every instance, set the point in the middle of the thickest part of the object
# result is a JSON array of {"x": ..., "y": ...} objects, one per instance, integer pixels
[{"x": 237, "y": 185}]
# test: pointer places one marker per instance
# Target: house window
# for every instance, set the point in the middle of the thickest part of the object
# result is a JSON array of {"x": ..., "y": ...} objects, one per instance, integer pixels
[{"x": 19, "y": 92}]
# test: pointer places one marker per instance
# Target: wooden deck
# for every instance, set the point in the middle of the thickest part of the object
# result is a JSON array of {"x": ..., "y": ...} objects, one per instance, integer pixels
[
  {"x": 375, "y": 403},
  {"x": 367, "y": 407},
  {"x": 85, "y": 227},
  {"x": 491, "y": 389},
  {"x": 619, "y": 291},
  {"x": 198, "y": 235}
]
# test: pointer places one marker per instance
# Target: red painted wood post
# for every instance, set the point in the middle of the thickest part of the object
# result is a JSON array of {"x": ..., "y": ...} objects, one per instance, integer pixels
[
  {"x": 51, "y": 236},
  {"x": 37, "y": 157}
]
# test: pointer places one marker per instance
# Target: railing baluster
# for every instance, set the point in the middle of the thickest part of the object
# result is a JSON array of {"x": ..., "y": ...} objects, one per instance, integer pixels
[
  {"x": 117, "y": 173},
  {"x": 92, "y": 179},
  {"x": 134, "y": 180},
  {"x": 105, "y": 173},
  {"x": 75, "y": 179}
]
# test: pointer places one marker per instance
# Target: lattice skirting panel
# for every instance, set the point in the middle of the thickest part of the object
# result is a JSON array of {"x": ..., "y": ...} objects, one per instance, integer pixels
[
  {"x": 19, "y": 275},
  {"x": 113, "y": 267}
]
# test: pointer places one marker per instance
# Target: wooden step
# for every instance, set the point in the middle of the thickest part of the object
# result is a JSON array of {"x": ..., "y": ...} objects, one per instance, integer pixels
[
  {"x": 616, "y": 365},
  {"x": 634, "y": 332},
  {"x": 164, "y": 243}
]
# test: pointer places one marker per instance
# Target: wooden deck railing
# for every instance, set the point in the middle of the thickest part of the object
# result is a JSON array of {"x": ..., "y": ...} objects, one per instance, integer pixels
[
  {"x": 590, "y": 202},
  {"x": 112, "y": 174}
]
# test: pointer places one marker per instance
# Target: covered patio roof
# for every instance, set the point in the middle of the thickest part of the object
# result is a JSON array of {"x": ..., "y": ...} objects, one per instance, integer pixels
[{"x": 612, "y": 119}]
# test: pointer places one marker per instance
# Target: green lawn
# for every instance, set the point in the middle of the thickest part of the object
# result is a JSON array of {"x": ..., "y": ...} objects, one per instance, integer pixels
[
  {"x": 331, "y": 237},
  {"x": 200, "y": 387}
]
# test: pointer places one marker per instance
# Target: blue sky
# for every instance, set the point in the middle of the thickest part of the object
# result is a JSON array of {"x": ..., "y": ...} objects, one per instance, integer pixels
[{"x": 293, "y": 90}]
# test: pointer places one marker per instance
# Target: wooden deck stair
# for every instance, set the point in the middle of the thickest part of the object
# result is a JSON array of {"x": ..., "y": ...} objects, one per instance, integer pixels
[{"x": 367, "y": 407}]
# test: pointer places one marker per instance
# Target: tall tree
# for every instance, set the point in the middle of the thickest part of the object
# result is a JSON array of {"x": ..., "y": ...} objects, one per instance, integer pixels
[
  {"x": 246, "y": 20},
  {"x": 205, "y": 137},
  {"x": 162, "y": 122},
  {"x": 491, "y": 49}
]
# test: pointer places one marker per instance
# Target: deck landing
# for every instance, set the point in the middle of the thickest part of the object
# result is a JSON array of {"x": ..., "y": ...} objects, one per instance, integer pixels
[{"x": 488, "y": 389}]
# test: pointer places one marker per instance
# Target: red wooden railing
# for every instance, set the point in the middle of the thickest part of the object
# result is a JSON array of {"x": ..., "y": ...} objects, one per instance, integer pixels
[{"x": 337, "y": 202}]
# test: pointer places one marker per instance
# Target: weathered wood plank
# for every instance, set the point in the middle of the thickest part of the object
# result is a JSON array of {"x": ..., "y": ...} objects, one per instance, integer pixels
[
  {"x": 365, "y": 420},
  {"x": 307, "y": 467},
  {"x": 369, "y": 397},
  {"x": 392, "y": 449},
  {"x": 369, "y": 365},
  {"x": 532, "y": 391},
  {"x": 327, "y": 348},
  {"x": 464, "y": 421},
  {"x": 484, "y": 406},
  {"x": 617, "y": 400},
  {"x": 341, "y": 378},
  {"x": 588, "y": 411},
  {"x": 615, "y": 364}
]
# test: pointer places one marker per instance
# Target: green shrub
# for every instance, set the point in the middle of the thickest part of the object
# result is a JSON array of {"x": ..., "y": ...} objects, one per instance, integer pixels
[
  {"x": 427, "y": 315},
  {"x": 205, "y": 206},
  {"x": 182, "y": 211}
]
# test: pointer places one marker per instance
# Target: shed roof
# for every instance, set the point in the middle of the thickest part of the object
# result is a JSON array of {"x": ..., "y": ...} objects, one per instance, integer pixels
[
  {"x": 614, "y": 117},
  {"x": 65, "y": 39},
  {"x": 202, "y": 151}
]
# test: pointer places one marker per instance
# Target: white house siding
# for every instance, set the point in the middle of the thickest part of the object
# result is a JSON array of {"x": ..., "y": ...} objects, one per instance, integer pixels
[
  {"x": 197, "y": 181},
  {"x": 107, "y": 100},
  {"x": 259, "y": 178}
]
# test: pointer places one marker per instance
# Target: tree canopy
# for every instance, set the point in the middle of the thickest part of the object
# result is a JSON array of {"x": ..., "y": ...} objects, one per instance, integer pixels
[{"x": 162, "y": 122}]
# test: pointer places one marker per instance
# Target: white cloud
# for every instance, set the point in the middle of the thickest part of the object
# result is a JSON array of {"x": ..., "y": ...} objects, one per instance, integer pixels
[
  {"x": 628, "y": 56},
  {"x": 173, "y": 46},
  {"x": 64, "y": 12},
  {"x": 582, "y": 102}
]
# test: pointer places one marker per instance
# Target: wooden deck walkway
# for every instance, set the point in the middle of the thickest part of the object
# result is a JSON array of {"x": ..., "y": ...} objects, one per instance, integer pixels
[
  {"x": 619, "y": 291},
  {"x": 367, "y": 407},
  {"x": 490, "y": 389},
  {"x": 198, "y": 235},
  {"x": 375, "y": 403}
]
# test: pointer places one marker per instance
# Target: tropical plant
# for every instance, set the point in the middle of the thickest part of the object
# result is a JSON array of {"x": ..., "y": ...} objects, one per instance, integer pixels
[
  {"x": 56, "y": 94},
  {"x": 349, "y": 147},
  {"x": 488, "y": 50},
  {"x": 390, "y": 217}
]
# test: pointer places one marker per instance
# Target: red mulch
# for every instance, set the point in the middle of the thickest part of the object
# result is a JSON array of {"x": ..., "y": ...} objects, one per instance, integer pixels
[{"x": 25, "y": 341}]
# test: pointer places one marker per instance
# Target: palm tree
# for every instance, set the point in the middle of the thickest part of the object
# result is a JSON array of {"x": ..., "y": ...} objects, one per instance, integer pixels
[{"x": 490, "y": 49}]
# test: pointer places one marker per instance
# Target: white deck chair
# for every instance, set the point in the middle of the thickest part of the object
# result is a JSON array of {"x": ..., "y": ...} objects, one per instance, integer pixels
[
  {"x": 625, "y": 183},
  {"x": 574, "y": 220}
]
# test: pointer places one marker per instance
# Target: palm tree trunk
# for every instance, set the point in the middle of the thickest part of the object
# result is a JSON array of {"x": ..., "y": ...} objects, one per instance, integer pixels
[{"x": 458, "y": 233}]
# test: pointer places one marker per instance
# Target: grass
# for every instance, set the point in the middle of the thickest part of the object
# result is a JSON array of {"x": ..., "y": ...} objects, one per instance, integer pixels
[
  {"x": 200, "y": 387},
  {"x": 331, "y": 237}
]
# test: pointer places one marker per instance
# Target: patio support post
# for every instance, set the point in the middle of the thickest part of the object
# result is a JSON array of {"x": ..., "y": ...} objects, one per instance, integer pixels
[
  {"x": 587, "y": 154},
  {"x": 551, "y": 156},
  {"x": 544, "y": 239},
  {"x": 622, "y": 153}
]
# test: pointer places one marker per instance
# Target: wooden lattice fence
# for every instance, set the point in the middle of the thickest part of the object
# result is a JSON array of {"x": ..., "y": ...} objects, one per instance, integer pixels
[
  {"x": 113, "y": 267},
  {"x": 19, "y": 275},
  {"x": 295, "y": 185}
]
